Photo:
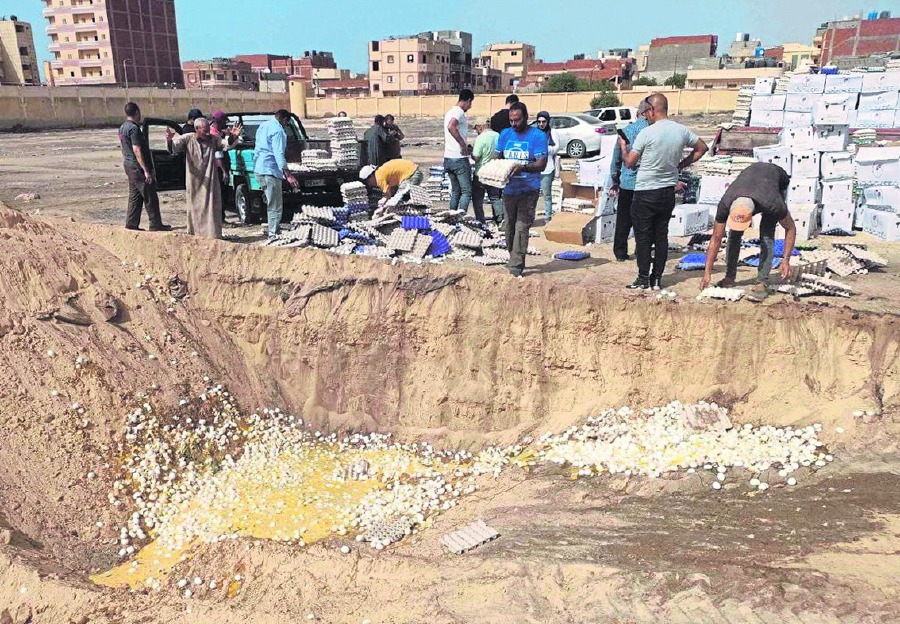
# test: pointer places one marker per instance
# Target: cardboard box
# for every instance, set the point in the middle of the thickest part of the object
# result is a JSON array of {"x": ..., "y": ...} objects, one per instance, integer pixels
[
  {"x": 807, "y": 83},
  {"x": 607, "y": 229},
  {"x": 800, "y": 138},
  {"x": 878, "y": 166},
  {"x": 801, "y": 102},
  {"x": 883, "y": 197},
  {"x": 837, "y": 191},
  {"x": 875, "y": 119},
  {"x": 838, "y": 216},
  {"x": 803, "y": 191},
  {"x": 805, "y": 164},
  {"x": 579, "y": 191},
  {"x": 831, "y": 138},
  {"x": 595, "y": 171},
  {"x": 797, "y": 119},
  {"x": 843, "y": 83},
  {"x": 764, "y": 86},
  {"x": 712, "y": 188},
  {"x": 883, "y": 225},
  {"x": 571, "y": 228},
  {"x": 768, "y": 102},
  {"x": 766, "y": 119},
  {"x": 834, "y": 109},
  {"x": 689, "y": 219},
  {"x": 775, "y": 154},
  {"x": 806, "y": 218},
  {"x": 837, "y": 165},
  {"x": 883, "y": 100},
  {"x": 883, "y": 81}
]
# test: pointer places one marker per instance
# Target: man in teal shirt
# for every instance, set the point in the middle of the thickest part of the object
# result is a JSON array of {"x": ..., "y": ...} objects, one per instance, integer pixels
[
  {"x": 482, "y": 152},
  {"x": 271, "y": 166}
]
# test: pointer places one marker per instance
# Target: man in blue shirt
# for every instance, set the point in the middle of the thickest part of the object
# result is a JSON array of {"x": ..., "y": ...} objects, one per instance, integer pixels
[
  {"x": 271, "y": 166},
  {"x": 528, "y": 147},
  {"x": 624, "y": 179}
]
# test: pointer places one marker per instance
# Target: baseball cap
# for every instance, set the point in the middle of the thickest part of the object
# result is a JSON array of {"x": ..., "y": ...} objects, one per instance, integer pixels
[
  {"x": 365, "y": 172},
  {"x": 740, "y": 215}
]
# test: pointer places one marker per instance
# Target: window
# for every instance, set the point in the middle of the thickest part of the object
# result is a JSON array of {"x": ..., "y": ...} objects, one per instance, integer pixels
[
  {"x": 563, "y": 122},
  {"x": 411, "y": 58},
  {"x": 608, "y": 115},
  {"x": 23, "y": 51},
  {"x": 376, "y": 66},
  {"x": 375, "y": 49},
  {"x": 220, "y": 76},
  {"x": 624, "y": 114},
  {"x": 515, "y": 53},
  {"x": 390, "y": 79},
  {"x": 424, "y": 59},
  {"x": 390, "y": 58},
  {"x": 376, "y": 87}
]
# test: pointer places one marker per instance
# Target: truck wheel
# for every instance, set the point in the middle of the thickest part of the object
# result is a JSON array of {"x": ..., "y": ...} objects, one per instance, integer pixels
[
  {"x": 242, "y": 204},
  {"x": 576, "y": 149}
]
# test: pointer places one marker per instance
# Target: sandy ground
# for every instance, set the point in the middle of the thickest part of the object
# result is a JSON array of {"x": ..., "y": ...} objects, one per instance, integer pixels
[{"x": 456, "y": 354}]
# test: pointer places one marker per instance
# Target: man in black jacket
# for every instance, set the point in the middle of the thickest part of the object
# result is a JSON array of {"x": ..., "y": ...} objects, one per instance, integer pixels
[{"x": 500, "y": 119}]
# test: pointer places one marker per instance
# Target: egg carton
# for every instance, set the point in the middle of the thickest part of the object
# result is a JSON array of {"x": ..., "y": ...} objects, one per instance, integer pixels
[
  {"x": 461, "y": 253},
  {"x": 421, "y": 246},
  {"x": 387, "y": 532},
  {"x": 728, "y": 294},
  {"x": 577, "y": 205},
  {"x": 487, "y": 261},
  {"x": 796, "y": 291},
  {"x": 497, "y": 253},
  {"x": 494, "y": 241},
  {"x": 825, "y": 286},
  {"x": 402, "y": 240},
  {"x": 467, "y": 238},
  {"x": 322, "y": 214},
  {"x": 533, "y": 251},
  {"x": 496, "y": 173},
  {"x": 346, "y": 248},
  {"x": 860, "y": 253},
  {"x": 324, "y": 236},
  {"x": 469, "y": 537},
  {"x": 811, "y": 268},
  {"x": 372, "y": 251}
]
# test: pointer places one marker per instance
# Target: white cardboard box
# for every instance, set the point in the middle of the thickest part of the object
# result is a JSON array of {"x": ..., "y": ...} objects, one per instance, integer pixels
[
  {"x": 834, "y": 108},
  {"x": 606, "y": 229},
  {"x": 689, "y": 219},
  {"x": 711, "y": 210},
  {"x": 806, "y": 218},
  {"x": 838, "y": 216},
  {"x": 883, "y": 81},
  {"x": 764, "y": 86},
  {"x": 883, "y": 100},
  {"x": 883, "y": 198},
  {"x": 878, "y": 166},
  {"x": 805, "y": 164},
  {"x": 797, "y": 119},
  {"x": 803, "y": 191},
  {"x": 801, "y": 102},
  {"x": 875, "y": 119},
  {"x": 843, "y": 83},
  {"x": 837, "y": 165},
  {"x": 712, "y": 188},
  {"x": 776, "y": 154},
  {"x": 807, "y": 83},
  {"x": 797, "y": 138},
  {"x": 768, "y": 102},
  {"x": 766, "y": 119},
  {"x": 831, "y": 138},
  {"x": 883, "y": 225},
  {"x": 837, "y": 191},
  {"x": 897, "y": 115}
]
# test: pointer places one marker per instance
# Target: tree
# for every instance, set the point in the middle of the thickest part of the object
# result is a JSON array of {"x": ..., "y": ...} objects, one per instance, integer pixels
[
  {"x": 605, "y": 100},
  {"x": 676, "y": 81},
  {"x": 645, "y": 81},
  {"x": 561, "y": 83}
]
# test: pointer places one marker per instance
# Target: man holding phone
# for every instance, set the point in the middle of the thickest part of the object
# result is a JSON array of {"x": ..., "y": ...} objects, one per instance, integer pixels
[{"x": 623, "y": 182}]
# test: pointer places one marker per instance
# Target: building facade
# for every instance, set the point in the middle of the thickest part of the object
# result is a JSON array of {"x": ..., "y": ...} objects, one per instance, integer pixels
[
  {"x": 511, "y": 58},
  {"x": 618, "y": 71},
  {"x": 409, "y": 66},
  {"x": 18, "y": 60},
  {"x": 128, "y": 42},
  {"x": 460, "y": 56},
  {"x": 851, "y": 43},
  {"x": 220, "y": 73},
  {"x": 668, "y": 56}
]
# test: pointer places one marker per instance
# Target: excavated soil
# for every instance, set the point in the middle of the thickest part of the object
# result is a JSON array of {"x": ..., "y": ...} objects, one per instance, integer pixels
[{"x": 462, "y": 357}]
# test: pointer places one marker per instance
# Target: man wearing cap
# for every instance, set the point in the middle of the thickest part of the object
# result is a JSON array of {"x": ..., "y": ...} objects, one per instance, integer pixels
[
  {"x": 759, "y": 189},
  {"x": 389, "y": 176}
]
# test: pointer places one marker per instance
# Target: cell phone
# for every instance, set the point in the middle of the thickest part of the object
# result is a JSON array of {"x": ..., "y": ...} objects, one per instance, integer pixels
[{"x": 622, "y": 134}]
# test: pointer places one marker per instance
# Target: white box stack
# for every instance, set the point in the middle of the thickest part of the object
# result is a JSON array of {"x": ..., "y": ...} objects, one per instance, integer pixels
[
  {"x": 806, "y": 218},
  {"x": 875, "y": 118},
  {"x": 843, "y": 83},
  {"x": 836, "y": 165},
  {"x": 689, "y": 219},
  {"x": 837, "y": 192},
  {"x": 763, "y": 118},
  {"x": 780, "y": 155},
  {"x": 807, "y": 83},
  {"x": 884, "y": 198},
  {"x": 879, "y": 100},
  {"x": 805, "y": 164},
  {"x": 883, "y": 225},
  {"x": 797, "y": 119},
  {"x": 878, "y": 166},
  {"x": 774, "y": 102},
  {"x": 881, "y": 81},
  {"x": 801, "y": 102},
  {"x": 830, "y": 138},
  {"x": 800, "y": 138},
  {"x": 835, "y": 109},
  {"x": 838, "y": 217},
  {"x": 764, "y": 86},
  {"x": 712, "y": 188},
  {"x": 803, "y": 191}
]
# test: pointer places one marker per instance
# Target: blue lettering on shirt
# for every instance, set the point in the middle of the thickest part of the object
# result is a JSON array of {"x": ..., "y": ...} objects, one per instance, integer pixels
[{"x": 524, "y": 148}]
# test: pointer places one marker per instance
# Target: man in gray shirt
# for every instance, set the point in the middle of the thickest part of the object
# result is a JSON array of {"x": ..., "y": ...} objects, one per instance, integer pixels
[{"x": 659, "y": 149}]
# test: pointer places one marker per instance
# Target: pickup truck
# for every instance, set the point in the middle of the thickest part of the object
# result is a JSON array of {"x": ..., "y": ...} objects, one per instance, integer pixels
[{"x": 321, "y": 188}]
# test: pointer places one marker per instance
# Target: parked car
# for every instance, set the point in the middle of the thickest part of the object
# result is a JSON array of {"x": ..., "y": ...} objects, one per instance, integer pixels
[
  {"x": 620, "y": 115},
  {"x": 579, "y": 134},
  {"x": 243, "y": 195}
]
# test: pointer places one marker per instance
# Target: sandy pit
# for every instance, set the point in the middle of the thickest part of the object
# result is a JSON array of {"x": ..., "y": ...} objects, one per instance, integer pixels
[{"x": 106, "y": 359}]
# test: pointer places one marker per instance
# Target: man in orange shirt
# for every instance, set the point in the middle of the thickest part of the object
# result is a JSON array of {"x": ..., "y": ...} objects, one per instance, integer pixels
[{"x": 389, "y": 176}]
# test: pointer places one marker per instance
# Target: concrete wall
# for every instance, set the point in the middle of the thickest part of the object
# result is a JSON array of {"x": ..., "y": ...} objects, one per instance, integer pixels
[
  {"x": 680, "y": 103},
  {"x": 85, "y": 107}
]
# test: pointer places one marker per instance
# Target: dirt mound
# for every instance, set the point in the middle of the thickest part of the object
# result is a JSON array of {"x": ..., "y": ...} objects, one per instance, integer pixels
[{"x": 90, "y": 328}]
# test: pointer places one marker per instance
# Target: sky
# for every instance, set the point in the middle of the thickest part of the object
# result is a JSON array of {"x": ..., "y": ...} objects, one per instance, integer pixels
[{"x": 559, "y": 29}]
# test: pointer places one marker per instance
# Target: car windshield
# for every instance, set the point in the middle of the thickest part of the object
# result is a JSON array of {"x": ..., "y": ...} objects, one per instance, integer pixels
[{"x": 587, "y": 119}]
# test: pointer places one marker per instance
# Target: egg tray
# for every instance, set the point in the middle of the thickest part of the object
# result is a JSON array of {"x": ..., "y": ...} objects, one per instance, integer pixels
[
  {"x": 825, "y": 286},
  {"x": 388, "y": 532},
  {"x": 496, "y": 253},
  {"x": 467, "y": 238},
  {"x": 469, "y": 537},
  {"x": 810, "y": 268},
  {"x": 372, "y": 251},
  {"x": 421, "y": 246},
  {"x": 487, "y": 261},
  {"x": 727, "y": 294},
  {"x": 346, "y": 248},
  {"x": 324, "y": 236},
  {"x": 402, "y": 240},
  {"x": 860, "y": 253},
  {"x": 322, "y": 214}
]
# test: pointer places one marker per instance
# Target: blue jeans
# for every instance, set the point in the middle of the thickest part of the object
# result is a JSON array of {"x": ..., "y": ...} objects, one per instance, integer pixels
[
  {"x": 766, "y": 250},
  {"x": 547, "y": 192},
  {"x": 271, "y": 188},
  {"x": 460, "y": 172}
]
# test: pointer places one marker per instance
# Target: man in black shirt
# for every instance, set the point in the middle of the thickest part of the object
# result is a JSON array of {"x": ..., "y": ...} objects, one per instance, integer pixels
[
  {"x": 377, "y": 142},
  {"x": 759, "y": 189},
  {"x": 500, "y": 119},
  {"x": 141, "y": 185}
]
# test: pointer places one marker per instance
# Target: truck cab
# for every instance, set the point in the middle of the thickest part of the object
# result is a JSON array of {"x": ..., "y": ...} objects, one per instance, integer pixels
[{"x": 242, "y": 193}]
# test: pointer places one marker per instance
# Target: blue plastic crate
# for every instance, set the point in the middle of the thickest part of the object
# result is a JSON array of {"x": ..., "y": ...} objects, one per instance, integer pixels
[
  {"x": 415, "y": 223},
  {"x": 439, "y": 245}
]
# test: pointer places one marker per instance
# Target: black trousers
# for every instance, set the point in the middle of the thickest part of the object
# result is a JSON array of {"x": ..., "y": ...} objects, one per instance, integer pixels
[
  {"x": 623, "y": 223},
  {"x": 141, "y": 195},
  {"x": 651, "y": 212}
]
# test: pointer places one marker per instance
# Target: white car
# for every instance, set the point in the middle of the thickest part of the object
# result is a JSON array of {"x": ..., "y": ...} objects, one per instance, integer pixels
[
  {"x": 579, "y": 134},
  {"x": 620, "y": 115}
]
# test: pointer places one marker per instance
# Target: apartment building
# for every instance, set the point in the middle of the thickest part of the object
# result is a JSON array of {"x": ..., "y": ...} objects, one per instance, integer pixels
[
  {"x": 220, "y": 73},
  {"x": 18, "y": 60},
  {"x": 418, "y": 65},
  {"x": 127, "y": 42},
  {"x": 512, "y": 58},
  {"x": 852, "y": 42}
]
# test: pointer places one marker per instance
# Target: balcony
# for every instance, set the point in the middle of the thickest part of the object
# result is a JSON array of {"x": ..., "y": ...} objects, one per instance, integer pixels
[
  {"x": 48, "y": 12},
  {"x": 55, "y": 47},
  {"x": 84, "y": 26},
  {"x": 87, "y": 43}
]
